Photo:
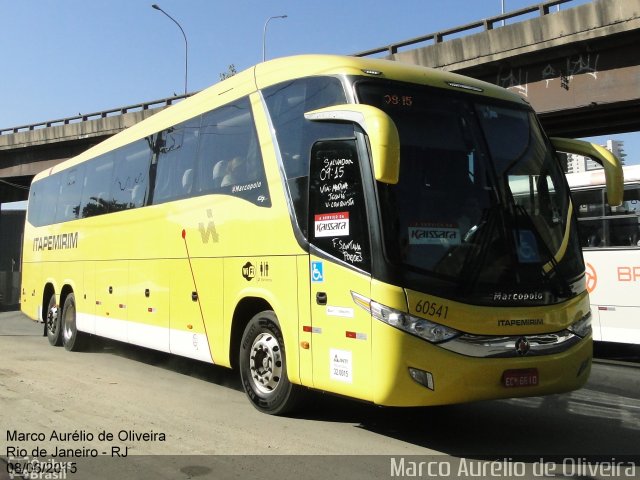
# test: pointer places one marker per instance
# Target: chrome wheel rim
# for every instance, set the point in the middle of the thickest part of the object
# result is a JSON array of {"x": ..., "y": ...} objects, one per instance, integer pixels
[
  {"x": 52, "y": 317},
  {"x": 265, "y": 363},
  {"x": 69, "y": 322}
]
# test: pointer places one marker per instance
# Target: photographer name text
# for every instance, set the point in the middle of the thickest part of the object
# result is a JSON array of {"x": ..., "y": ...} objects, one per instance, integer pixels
[{"x": 76, "y": 443}]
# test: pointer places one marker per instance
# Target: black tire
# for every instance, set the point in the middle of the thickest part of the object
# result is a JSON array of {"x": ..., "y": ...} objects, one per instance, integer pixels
[
  {"x": 52, "y": 322},
  {"x": 263, "y": 367},
  {"x": 72, "y": 339}
]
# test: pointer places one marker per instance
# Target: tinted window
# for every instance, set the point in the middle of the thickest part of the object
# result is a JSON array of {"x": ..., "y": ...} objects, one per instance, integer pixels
[
  {"x": 220, "y": 156},
  {"x": 603, "y": 226},
  {"x": 95, "y": 194},
  {"x": 43, "y": 199},
  {"x": 68, "y": 207},
  {"x": 480, "y": 205},
  {"x": 230, "y": 160},
  {"x": 33, "y": 207},
  {"x": 131, "y": 176},
  {"x": 287, "y": 103},
  {"x": 624, "y": 221},
  {"x": 588, "y": 203},
  {"x": 177, "y": 151}
]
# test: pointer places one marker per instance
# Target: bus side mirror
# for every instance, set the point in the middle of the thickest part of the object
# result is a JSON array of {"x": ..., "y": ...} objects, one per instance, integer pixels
[
  {"x": 382, "y": 133},
  {"x": 610, "y": 163}
]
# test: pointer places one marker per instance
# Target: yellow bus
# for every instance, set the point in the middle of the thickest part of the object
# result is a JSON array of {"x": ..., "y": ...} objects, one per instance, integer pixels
[{"x": 322, "y": 222}]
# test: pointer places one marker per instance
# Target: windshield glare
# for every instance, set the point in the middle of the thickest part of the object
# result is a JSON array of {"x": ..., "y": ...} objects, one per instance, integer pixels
[{"x": 481, "y": 202}]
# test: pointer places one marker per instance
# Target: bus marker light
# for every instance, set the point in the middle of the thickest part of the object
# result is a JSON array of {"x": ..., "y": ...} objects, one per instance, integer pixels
[
  {"x": 524, "y": 377},
  {"x": 184, "y": 233},
  {"x": 189, "y": 326},
  {"x": 310, "y": 329},
  {"x": 151, "y": 309},
  {"x": 464, "y": 86},
  {"x": 304, "y": 345},
  {"x": 356, "y": 335},
  {"x": 423, "y": 378},
  {"x": 361, "y": 301}
]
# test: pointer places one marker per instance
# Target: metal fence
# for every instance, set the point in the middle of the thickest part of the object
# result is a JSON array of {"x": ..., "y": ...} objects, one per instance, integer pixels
[{"x": 164, "y": 102}]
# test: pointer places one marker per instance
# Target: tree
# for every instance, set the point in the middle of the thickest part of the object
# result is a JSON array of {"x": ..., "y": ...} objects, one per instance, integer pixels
[{"x": 231, "y": 71}]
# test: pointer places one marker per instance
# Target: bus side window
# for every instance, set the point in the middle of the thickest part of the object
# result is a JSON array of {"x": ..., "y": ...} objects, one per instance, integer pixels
[
  {"x": 68, "y": 207},
  {"x": 624, "y": 221},
  {"x": 589, "y": 208},
  {"x": 287, "y": 103},
  {"x": 95, "y": 193},
  {"x": 33, "y": 212},
  {"x": 176, "y": 150},
  {"x": 131, "y": 171},
  {"x": 229, "y": 158},
  {"x": 44, "y": 197}
]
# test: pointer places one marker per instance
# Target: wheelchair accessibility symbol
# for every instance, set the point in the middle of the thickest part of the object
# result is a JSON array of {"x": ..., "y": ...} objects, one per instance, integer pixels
[
  {"x": 527, "y": 247},
  {"x": 317, "y": 272}
]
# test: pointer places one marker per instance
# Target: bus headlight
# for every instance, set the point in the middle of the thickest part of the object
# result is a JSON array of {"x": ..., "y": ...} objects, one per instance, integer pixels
[
  {"x": 425, "y": 329},
  {"x": 582, "y": 327}
]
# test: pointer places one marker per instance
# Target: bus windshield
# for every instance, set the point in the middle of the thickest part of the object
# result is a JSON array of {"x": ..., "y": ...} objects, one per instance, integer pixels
[{"x": 481, "y": 209}]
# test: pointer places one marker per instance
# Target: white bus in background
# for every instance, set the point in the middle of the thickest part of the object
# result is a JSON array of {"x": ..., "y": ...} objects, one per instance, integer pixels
[{"x": 610, "y": 238}]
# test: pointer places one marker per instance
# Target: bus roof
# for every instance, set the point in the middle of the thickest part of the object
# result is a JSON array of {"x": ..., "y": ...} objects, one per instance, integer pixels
[
  {"x": 280, "y": 70},
  {"x": 594, "y": 178}
]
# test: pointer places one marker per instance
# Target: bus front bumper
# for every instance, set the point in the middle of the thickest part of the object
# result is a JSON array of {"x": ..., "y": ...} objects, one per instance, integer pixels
[{"x": 413, "y": 372}]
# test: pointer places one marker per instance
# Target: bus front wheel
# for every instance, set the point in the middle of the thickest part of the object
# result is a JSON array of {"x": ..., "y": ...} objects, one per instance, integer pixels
[
  {"x": 263, "y": 368},
  {"x": 52, "y": 322},
  {"x": 72, "y": 339}
]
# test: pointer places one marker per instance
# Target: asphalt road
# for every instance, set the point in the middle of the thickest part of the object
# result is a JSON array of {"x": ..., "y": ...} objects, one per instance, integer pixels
[{"x": 178, "y": 418}]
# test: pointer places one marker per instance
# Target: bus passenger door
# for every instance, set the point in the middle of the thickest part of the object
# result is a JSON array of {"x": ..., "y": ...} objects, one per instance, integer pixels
[{"x": 339, "y": 266}]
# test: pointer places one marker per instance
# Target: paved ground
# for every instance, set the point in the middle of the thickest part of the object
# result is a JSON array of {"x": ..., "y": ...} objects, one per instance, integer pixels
[{"x": 155, "y": 404}]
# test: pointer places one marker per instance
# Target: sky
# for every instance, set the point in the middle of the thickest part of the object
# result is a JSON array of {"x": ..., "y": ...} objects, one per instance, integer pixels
[{"x": 68, "y": 57}]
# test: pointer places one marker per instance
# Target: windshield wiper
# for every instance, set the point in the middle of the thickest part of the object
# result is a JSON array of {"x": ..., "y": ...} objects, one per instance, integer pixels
[{"x": 484, "y": 233}]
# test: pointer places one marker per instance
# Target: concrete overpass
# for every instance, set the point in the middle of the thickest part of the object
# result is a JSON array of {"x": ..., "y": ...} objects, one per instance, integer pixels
[
  {"x": 579, "y": 67},
  {"x": 29, "y": 149}
]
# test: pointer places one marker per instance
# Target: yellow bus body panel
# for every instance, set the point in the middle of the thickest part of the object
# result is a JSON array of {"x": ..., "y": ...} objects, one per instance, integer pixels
[{"x": 341, "y": 342}]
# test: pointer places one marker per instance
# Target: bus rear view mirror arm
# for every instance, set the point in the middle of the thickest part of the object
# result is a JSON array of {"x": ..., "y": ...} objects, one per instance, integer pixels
[
  {"x": 382, "y": 133},
  {"x": 610, "y": 163}
]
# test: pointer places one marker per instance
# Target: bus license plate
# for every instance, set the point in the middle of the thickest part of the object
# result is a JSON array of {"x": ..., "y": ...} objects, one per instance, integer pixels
[{"x": 526, "y": 377}]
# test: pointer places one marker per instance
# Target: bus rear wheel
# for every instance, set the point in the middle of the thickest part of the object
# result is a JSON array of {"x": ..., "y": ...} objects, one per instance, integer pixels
[
  {"x": 52, "y": 322},
  {"x": 263, "y": 368},
  {"x": 72, "y": 339}
]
